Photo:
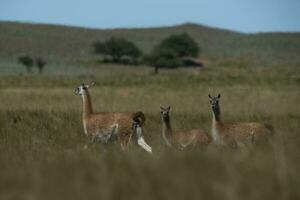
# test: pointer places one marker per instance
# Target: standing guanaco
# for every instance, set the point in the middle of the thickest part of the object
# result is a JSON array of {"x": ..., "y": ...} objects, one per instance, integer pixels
[
  {"x": 107, "y": 127},
  {"x": 236, "y": 134},
  {"x": 180, "y": 139}
]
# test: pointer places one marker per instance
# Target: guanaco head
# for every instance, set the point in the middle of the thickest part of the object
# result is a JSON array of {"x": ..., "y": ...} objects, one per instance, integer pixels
[
  {"x": 83, "y": 87},
  {"x": 214, "y": 102},
  {"x": 164, "y": 113}
]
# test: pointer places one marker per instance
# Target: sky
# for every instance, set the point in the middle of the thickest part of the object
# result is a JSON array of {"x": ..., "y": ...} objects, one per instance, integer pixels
[{"x": 240, "y": 15}]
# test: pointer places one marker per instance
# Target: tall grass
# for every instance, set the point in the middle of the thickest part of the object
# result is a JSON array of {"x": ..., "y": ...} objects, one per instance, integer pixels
[{"x": 42, "y": 139}]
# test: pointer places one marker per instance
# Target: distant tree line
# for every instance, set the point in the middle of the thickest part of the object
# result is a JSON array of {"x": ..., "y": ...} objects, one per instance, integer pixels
[
  {"x": 30, "y": 62},
  {"x": 174, "y": 51}
]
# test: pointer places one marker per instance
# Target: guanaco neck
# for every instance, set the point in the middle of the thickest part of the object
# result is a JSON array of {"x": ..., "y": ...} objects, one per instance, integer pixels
[
  {"x": 167, "y": 130},
  {"x": 216, "y": 121},
  {"x": 87, "y": 104}
]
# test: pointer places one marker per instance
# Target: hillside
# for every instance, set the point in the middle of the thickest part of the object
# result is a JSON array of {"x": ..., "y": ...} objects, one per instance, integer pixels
[
  {"x": 43, "y": 152},
  {"x": 73, "y": 43}
]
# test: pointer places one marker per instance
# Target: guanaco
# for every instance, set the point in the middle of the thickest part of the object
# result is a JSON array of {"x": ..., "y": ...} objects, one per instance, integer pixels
[
  {"x": 108, "y": 127},
  {"x": 236, "y": 134},
  {"x": 180, "y": 139}
]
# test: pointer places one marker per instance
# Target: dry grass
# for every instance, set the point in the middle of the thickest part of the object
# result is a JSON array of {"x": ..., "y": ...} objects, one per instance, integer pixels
[{"x": 41, "y": 136}]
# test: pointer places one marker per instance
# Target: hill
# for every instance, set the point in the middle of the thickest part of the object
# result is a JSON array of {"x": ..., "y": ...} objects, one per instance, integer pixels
[
  {"x": 74, "y": 44},
  {"x": 42, "y": 137}
]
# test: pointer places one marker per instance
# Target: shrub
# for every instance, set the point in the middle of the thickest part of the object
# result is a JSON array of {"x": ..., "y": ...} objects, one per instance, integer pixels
[
  {"x": 27, "y": 61},
  {"x": 117, "y": 49},
  {"x": 170, "y": 53},
  {"x": 163, "y": 58},
  {"x": 182, "y": 44},
  {"x": 40, "y": 63}
]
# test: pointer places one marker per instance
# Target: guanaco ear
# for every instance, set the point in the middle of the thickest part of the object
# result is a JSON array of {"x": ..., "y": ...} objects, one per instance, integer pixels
[
  {"x": 161, "y": 108},
  {"x": 219, "y": 96},
  {"x": 92, "y": 83},
  {"x": 168, "y": 108}
]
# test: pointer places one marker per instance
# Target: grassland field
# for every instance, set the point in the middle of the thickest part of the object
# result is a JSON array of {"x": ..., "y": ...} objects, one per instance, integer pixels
[{"x": 42, "y": 138}]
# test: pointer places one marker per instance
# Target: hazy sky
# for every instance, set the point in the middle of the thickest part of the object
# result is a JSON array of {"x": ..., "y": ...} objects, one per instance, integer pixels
[{"x": 240, "y": 15}]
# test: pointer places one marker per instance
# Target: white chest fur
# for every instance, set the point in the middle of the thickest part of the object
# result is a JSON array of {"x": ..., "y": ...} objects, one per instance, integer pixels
[
  {"x": 215, "y": 134},
  {"x": 84, "y": 127},
  {"x": 166, "y": 140}
]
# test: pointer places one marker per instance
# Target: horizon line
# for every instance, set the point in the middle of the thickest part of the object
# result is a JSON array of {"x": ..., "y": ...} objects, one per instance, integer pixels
[{"x": 142, "y": 27}]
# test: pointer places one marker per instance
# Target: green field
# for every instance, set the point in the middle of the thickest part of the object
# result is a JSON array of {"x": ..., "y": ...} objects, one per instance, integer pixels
[{"x": 42, "y": 139}]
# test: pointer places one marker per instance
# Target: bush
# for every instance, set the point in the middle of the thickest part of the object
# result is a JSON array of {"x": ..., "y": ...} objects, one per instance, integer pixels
[
  {"x": 163, "y": 58},
  {"x": 182, "y": 44},
  {"x": 27, "y": 61},
  {"x": 117, "y": 49},
  {"x": 171, "y": 52},
  {"x": 40, "y": 63}
]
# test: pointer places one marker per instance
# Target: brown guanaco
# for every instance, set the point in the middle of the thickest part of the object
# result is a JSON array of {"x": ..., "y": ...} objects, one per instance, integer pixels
[
  {"x": 180, "y": 139},
  {"x": 107, "y": 127},
  {"x": 236, "y": 134}
]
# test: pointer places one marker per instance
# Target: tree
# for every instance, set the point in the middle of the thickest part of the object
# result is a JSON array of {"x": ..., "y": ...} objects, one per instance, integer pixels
[
  {"x": 182, "y": 44},
  {"x": 40, "y": 63},
  {"x": 27, "y": 61},
  {"x": 117, "y": 48},
  {"x": 163, "y": 58},
  {"x": 172, "y": 51}
]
